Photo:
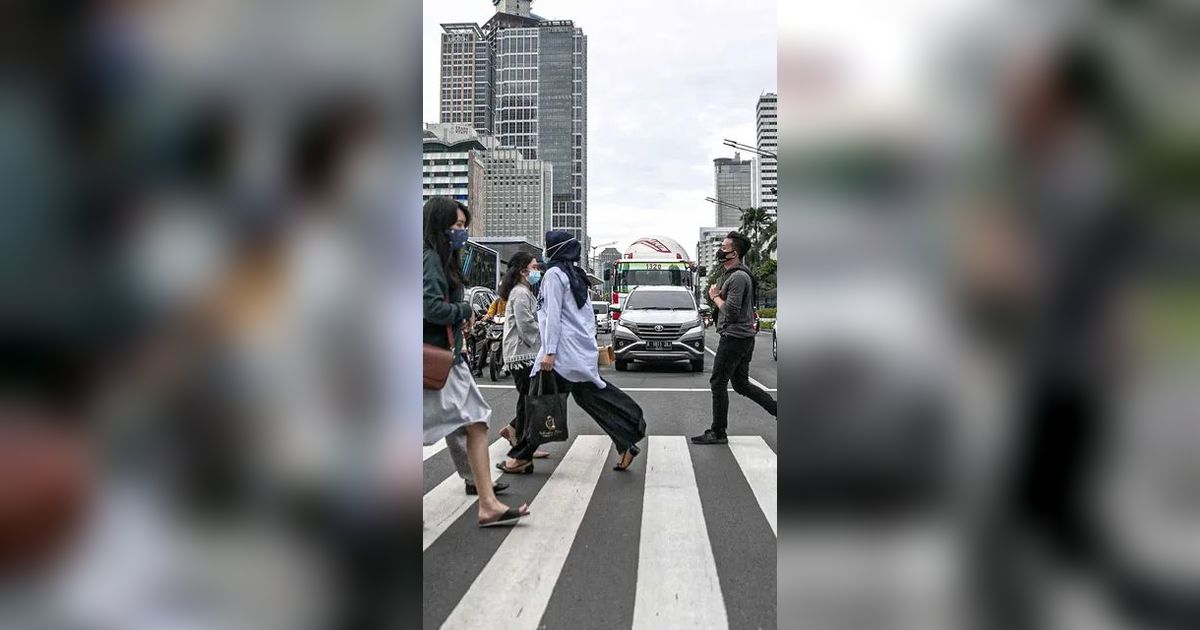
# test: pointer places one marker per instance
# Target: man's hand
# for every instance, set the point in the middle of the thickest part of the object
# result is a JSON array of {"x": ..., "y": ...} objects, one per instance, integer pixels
[
  {"x": 548, "y": 363},
  {"x": 469, "y": 324},
  {"x": 714, "y": 292}
]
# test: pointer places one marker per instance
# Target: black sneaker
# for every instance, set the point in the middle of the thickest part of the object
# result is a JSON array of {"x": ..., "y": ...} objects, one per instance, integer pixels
[
  {"x": 710, "y": 437},
  {"x": 498, "y": 487}
]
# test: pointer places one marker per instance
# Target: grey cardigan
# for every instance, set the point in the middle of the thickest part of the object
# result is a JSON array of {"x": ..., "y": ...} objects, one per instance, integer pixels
[{"x": 521, "y": 338}]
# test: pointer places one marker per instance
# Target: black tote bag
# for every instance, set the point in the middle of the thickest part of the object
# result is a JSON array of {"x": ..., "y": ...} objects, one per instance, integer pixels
[{"x": 546, "y": 411}]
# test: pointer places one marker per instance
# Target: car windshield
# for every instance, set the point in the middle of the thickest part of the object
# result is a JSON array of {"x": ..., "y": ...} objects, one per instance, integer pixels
[
  {"x": 600, "y": 309},
  {"x": 660, "y": 300}
]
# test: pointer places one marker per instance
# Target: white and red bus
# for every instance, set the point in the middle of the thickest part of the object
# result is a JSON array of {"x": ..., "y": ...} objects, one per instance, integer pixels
[{"x": 651, "y": 261}]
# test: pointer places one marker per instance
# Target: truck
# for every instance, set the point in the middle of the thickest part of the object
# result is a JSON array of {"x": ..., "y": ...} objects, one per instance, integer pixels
[{"x": 651, "y": 261}]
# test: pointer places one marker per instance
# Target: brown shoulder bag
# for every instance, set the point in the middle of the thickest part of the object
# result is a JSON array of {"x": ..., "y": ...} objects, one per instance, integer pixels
[{"x": 437, "y": 362}]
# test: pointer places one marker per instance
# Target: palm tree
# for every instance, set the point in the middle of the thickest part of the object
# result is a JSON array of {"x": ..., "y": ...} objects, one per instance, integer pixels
[
  {"x": 755, "y": 222},
  {"x": 770, "y": 241}
]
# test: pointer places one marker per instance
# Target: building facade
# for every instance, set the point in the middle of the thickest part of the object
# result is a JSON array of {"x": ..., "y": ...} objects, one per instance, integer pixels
[
  {"x": 767, "y": 131},
  {"x": 536, "y": 94},
  {"x": 516, "y": 195},
  {"x": 734, "y": 181},
  {"x": 466, "y": 79},
  {"x": 446, "y": 153},
  {"x": 605, "y": 262}
]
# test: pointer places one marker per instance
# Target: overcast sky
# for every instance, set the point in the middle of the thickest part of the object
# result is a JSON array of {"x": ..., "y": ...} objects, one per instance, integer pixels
[{"x": 667, "y": 81}]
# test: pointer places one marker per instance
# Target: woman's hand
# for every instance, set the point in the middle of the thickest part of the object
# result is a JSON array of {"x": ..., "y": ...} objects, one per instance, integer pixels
[{"x": 548, "y": 363}]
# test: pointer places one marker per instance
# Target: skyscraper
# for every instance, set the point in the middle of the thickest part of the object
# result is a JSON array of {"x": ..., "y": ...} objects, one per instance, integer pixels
[
  {"x": 767, "y": 131},
  {"x": 516, "y": 194},
  {"x": 466, "y": 77},
  {"x": 735, "y": 183},
  {"x": 536, "y": 81}
]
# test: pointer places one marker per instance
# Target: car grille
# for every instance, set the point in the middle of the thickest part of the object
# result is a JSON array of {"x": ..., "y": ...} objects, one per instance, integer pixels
[{"x": 669, "y": 332}]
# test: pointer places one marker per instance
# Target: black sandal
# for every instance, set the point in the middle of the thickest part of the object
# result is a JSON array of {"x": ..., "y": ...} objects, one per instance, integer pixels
[
  {"x": 524, "y": 469},
  {"x": 631, "y": 454},
  {"x": 510, "y": 517}
]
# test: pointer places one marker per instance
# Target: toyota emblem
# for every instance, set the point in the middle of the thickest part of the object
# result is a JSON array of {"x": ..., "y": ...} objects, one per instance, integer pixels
[{"x": 658, "y": 328}]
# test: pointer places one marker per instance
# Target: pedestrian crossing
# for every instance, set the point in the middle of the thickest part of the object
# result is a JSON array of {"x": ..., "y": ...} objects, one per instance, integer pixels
[{"x": 514, "y": 578}]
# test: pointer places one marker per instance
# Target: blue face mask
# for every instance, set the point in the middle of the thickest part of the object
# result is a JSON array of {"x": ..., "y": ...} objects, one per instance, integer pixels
[
  {"x": 535, "y": 277},
  {"x": 458, "y": 238}
]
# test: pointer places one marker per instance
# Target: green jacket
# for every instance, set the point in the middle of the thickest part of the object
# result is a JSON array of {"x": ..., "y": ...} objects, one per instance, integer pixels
[{"x": 438, "y": 313}]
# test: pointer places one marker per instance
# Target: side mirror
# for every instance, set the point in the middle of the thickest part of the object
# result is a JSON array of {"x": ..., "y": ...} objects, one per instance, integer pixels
[
  {"x": 608, "y": 275},
  {"x": 701, "y": 271}
]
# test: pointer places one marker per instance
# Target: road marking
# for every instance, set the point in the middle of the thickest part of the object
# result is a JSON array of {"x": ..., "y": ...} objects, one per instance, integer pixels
[
  {"x": 430, "y": 451},
  {"x": 642, "y": 389},
  {"x": 759, "y": 466},
  {"x": 445, "y": 503},
  {"x": 752, "y": 379},
  {"x": 677, "y": 582},
  {"x": 514, "y": 587}
]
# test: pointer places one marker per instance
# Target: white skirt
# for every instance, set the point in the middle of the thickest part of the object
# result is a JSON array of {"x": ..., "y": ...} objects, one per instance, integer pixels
[{"x": 454, "y": 406}]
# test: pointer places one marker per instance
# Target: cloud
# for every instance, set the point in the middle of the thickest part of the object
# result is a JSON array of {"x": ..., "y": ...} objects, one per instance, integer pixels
[{"x": 667, "y": 81}]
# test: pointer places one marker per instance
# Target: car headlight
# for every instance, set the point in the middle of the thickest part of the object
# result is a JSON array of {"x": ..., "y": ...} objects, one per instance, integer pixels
[
  {"x": 686, "y": 326},
  {"x": 627, "y": 325}
]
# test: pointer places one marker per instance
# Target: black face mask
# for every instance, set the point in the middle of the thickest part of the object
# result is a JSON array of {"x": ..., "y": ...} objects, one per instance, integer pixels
[{"x": 723, "y": 255}]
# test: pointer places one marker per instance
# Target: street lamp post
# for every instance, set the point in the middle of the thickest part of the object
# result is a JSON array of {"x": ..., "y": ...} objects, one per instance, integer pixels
[{"x": 755, "y": 150}]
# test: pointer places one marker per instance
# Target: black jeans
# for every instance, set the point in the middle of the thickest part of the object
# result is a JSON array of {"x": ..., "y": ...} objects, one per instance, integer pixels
[
  {"x": 524, "y": 448},
  {"x": 619, "y": 416},
  {"x": 733, "y": 362}
]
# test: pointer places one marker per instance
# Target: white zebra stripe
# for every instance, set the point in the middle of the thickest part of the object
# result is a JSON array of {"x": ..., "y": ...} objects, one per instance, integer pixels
[
  {"x": 514, "y": 588},
  {"x": 430, "y": 451},
  {"x": 759, "y": 466},
  {"x": 677, "y": 585},
  {"x": 445, "y": 503}
]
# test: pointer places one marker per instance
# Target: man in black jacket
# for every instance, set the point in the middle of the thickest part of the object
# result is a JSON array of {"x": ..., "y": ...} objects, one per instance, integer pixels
[{"x": 735, "y": 324}]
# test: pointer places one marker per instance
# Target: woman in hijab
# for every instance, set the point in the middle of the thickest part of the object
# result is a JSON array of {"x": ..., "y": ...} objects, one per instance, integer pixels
[{"x": 567, "y": 325}]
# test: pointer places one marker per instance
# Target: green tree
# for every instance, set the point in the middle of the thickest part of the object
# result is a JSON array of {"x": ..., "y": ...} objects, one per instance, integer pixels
[{"x": 759, "y": 226}]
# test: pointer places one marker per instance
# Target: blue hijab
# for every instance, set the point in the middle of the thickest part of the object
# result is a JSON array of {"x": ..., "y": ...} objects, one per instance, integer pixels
[{"x": 562, "y": 251}]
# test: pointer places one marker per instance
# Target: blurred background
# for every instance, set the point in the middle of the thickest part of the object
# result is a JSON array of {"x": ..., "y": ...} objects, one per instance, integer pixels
[
  {"x": 988, "y": 315},
  {"x": 201, "y": 261}
]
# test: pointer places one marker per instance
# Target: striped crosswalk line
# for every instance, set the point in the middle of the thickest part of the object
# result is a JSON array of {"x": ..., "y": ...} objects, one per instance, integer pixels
[
  {"x": 514, "y": 588},
  {"x": 678, "y": 581},
  {"x": 430, "y": 451},
  {"x": 677, "y": 584},
  {"x": 758, "y": 464},
  {"x": 445, "y": 503}
]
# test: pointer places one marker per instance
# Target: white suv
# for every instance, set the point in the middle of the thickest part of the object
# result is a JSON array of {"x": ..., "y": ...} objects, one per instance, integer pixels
[{"x": 659, "y": 324}]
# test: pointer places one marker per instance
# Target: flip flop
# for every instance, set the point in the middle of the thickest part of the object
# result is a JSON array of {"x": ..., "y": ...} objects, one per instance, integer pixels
[
  {"x": 508, "y": 518},
  {"x": 525, "y": 469},
  {"x": 541, "y": 454}
]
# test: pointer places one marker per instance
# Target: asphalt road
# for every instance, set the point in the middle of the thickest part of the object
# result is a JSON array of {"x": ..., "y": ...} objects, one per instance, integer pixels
[{"x": 687, "y": 538}]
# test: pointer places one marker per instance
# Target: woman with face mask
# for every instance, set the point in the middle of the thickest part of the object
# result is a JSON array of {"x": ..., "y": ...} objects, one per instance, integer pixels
[
  {"x": 521, "y": 343},
  {"x": 458, "y": 405},
  {"x": 568, "y": 350}
]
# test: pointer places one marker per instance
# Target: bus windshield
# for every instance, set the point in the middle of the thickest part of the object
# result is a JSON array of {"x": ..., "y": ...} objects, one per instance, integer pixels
[{"x": 629, "y": 278}]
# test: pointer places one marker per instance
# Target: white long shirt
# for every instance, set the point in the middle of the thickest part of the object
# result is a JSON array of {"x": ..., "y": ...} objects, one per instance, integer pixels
[{"x": 568, "y": 331}]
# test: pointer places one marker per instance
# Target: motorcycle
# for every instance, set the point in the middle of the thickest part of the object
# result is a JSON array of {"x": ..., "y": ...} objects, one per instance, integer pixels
[
  {"x": 476, "y": 345},
  {"x": 495, "y": 336}
]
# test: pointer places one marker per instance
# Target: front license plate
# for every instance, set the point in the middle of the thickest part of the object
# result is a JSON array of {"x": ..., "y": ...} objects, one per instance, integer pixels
[{"x": 659, "y": 345}]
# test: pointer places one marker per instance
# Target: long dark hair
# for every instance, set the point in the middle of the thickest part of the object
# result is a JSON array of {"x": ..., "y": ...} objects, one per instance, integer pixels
[
  {"x": 441, "y": 213},
  {"x": 516, "y": 265}
]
